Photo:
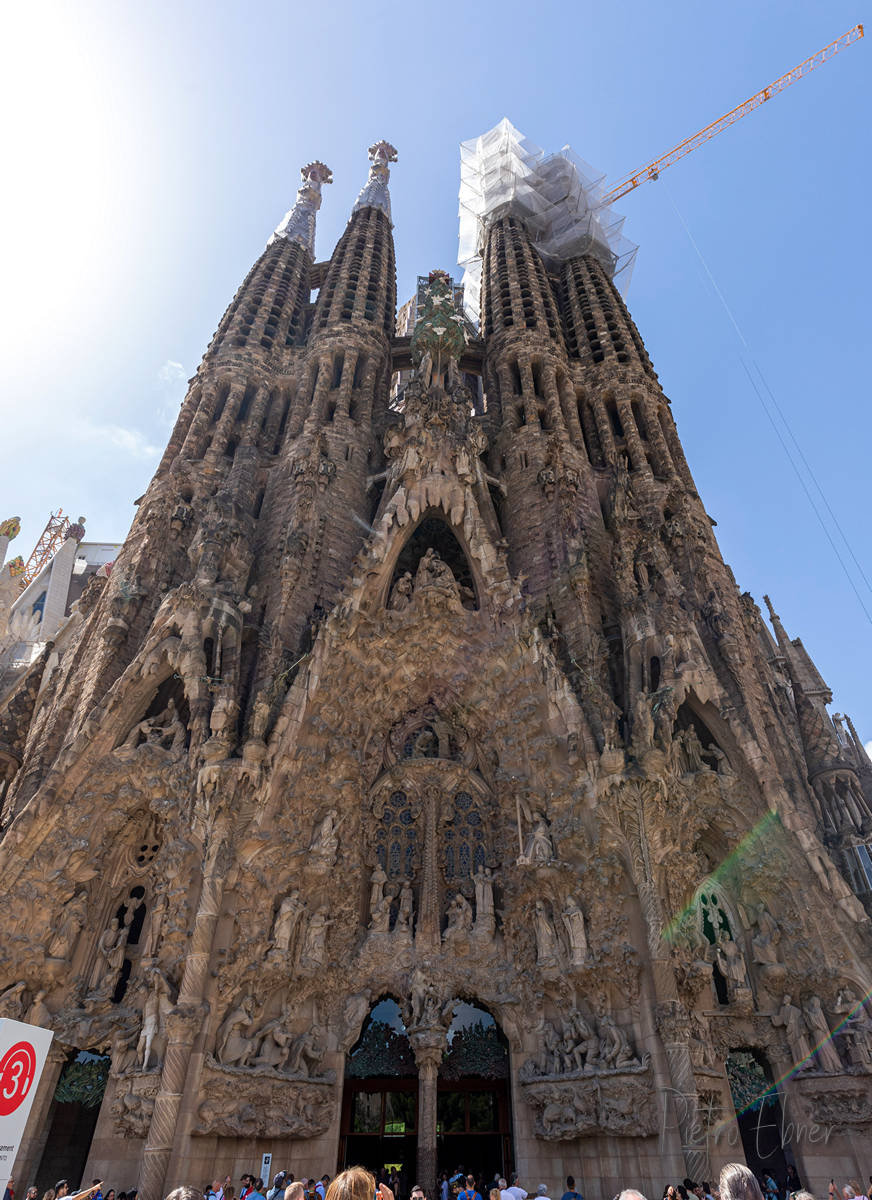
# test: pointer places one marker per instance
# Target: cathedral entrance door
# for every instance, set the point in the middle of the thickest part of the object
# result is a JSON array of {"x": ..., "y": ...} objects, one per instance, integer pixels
[
  {"x": 473, "y": 1108},
  {"x": 380, "y": 1098}
]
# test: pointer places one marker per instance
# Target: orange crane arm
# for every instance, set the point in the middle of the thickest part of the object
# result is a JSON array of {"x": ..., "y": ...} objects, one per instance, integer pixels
[{"x": 653, "y": 169}]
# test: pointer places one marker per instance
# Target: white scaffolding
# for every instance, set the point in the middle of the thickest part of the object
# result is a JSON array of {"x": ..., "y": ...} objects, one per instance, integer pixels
[{"x": 557, "y": 196}]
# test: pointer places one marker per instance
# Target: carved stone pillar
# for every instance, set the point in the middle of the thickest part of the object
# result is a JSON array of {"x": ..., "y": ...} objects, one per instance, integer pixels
[
  {"x": 183, "y": 1024},
  {"x": 428, "y": 1046},
  {"x": 672, "y": 1019},
  {"x": 427, "y": 933}
]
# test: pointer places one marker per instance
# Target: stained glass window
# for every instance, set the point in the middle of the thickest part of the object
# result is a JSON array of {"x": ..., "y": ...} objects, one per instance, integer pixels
[
  {"x": 396, "y": 837},
  {"x": 464, "y": 840}
]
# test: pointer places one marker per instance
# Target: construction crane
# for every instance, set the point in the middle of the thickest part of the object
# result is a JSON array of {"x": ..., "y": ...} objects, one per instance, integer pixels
[
  {"x": 50, "y": 541},
  {"x": 653, "y": 169}
]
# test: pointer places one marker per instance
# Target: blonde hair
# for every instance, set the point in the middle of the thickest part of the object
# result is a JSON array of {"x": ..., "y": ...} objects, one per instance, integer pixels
[{"x": 354, "y": 1184}]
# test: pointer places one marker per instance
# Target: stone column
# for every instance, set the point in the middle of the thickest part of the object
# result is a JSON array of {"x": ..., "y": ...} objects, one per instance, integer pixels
[
  {"x": 428, "y": 935},
  {"x": 428, "y": 1046},
  {"x": 185, "y": 1021},
  {"x": 672, "y": 1019}
]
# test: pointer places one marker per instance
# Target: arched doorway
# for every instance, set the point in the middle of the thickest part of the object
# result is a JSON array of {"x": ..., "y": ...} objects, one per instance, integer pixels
[
  {"x": 758, "y": 1111},
  {"x": 380, "y": 1126},
  {"x": 380, "y": 1097},
  {"x": 473, "y": 1104}
]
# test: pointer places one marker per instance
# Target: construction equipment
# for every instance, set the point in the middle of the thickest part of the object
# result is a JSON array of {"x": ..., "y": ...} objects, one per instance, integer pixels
[
  {"x": 50, "y": 541},
  {"x": 653, "y": 169}
]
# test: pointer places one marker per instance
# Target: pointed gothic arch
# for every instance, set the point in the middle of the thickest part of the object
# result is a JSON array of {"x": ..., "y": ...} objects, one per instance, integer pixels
[{"x": 434, "y": 532}]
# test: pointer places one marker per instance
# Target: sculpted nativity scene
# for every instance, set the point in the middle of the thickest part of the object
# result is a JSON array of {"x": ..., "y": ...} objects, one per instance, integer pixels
[{"x": 419, "y": 788}]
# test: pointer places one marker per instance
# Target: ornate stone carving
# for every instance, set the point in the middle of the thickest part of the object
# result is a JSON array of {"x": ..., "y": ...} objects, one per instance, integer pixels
[
  {"x": 255, "y": 1104},
  {"x": 620, "y": 1106},
  {"x": 585, "y": 1047}
]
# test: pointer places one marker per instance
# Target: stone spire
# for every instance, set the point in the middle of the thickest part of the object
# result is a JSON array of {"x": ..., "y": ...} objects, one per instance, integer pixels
[
  {"x": 298, "y": 225},
  {"x": 375, "y": 192}
]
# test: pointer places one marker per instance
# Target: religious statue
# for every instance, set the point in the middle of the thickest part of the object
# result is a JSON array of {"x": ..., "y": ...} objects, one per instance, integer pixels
[
  {"x": 153, "y": 1037},
  {"x": 643, "y": 721},
  {"x": 432, "y": 572},
  {"x": 821, "y": 1036},
  {"x": 691, "y": 751},
  {"x": 273, "y": 1040},
  {"x": 586, "y": 1039},
  {"x": 63, "y": 943},
  {"x": 459, "y": 918},
  {"x": 377, "y": 881},
  {"x": 380, "y": 920},
  {"x": 573, "y": 921},
  {"x": 791, "y": 1018},
  {"x": 485, "y": 921},
  {"x": 38, "y": 1013},
  {"x": 306, "y": 1053},
  {"x": 315, "y": 939},
  {"x": 233, "y": 1048},
  {"x": 110, "y": 953},
  {"x": 286, "y": 921},
  {"x": 165, "y": 730},
  {"x": 546, "y": 938},
  {"x": 12, "y": 1001},
  {"x": 325, "y": 843},
  {"x": 856, "y": 1028},
  {"x": 401, "y": 596},
  {"x": 731, "y": 962},
  {"x": 615, "y": 1050},
  {"x": 764, "y": 942},
  {"x": 405, "y": 908},
  {"x": 539, "y": 850}
]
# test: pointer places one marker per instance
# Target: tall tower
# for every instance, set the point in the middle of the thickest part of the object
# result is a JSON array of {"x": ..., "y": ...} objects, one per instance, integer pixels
[{"x": 419, "y": 788}]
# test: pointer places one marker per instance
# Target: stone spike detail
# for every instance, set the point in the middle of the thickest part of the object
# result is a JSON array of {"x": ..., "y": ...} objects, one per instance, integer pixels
[
  {"x": 374, "y": 193},
  {"x": 298, "y": 225}
]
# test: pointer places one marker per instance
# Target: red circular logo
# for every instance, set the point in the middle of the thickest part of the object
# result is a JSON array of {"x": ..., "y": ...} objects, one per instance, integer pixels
[{"x": 17, "y": 1069}]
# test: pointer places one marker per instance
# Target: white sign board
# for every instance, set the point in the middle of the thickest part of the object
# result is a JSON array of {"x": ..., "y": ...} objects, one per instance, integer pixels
[
  {"x": 22, "y": 1056},
  {"x": 265, "y": 1164}
]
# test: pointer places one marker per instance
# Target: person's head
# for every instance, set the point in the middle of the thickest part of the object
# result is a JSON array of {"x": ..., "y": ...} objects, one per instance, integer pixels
[
  {"x": 110, "y": 1195},
  {"x": 570, "y": 1183},
  {"x": 32, "y": 1193},
  {"x": 737, "y": 1182},
  {"x": 417, "y": 1192},
  {"x": 185, "y": 1193},
  {"x": 356, "y": 1183},
  {"x": 541, "y": 1190},
  {"x": 848, "y": 1192},
  {"x": 258, "y": 1185},
  {"x": 802, "y": 1195},
  {"x": 494, "y": 1194},
  {"x": 295, "y": 1191},
  {"x": 62, "y": 1188},
  {"x": 630, "y": 1194}
]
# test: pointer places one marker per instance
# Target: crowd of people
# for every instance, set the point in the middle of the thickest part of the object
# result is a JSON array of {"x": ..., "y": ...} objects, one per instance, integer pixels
[{"x": 737, "y": 1182}]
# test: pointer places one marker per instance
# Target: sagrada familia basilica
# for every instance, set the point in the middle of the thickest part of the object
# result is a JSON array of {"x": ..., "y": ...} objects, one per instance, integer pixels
[{"x": 418, "y": 788}]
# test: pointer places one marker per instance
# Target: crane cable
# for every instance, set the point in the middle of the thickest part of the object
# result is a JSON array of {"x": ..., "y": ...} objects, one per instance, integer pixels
[{"x": 766, "y": 408}]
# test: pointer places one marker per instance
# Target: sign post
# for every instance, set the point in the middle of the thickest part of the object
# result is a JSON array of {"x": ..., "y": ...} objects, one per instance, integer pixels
[
  {"x": 265, "y": 1164},
  {"x": 22, "y": 1057}
]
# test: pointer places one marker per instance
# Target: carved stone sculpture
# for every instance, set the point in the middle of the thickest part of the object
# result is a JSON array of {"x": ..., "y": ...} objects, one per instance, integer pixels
[
  {"x": 573, "y": 921},
  {"x": 165, "y": 730},
  {"x": 485, "y": 921},
  {"x": 546, "y": 937},
  {"x": 539, "y": 849},
  {"x": 152, "y": 1042},
  {"x": 459, "y": 918},
  {"x": 286, "y": 922},
  {"x": 315, "y": 939},
  {"x": 233, "y": 1047},
  {"x": 821, "y": 1036},
  {"x": 64, "y": 940},
  {"x": 325, "y": 843},
  {"x": 791, "y": 1019}
]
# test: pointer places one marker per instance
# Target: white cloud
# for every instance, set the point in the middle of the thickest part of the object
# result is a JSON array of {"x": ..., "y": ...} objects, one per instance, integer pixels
[
  {"x": 868, "y": 749},
  {"x": 172, "y": 373},
  {"x": 129, "y": 441}
]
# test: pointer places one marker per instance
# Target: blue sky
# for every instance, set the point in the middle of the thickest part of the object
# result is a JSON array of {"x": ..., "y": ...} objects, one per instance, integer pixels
[{"x": 154, "y": 147}]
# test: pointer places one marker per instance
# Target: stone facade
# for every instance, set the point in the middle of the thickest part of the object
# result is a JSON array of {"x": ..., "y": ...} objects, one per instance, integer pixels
[{"x": 450, "y": 700}]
